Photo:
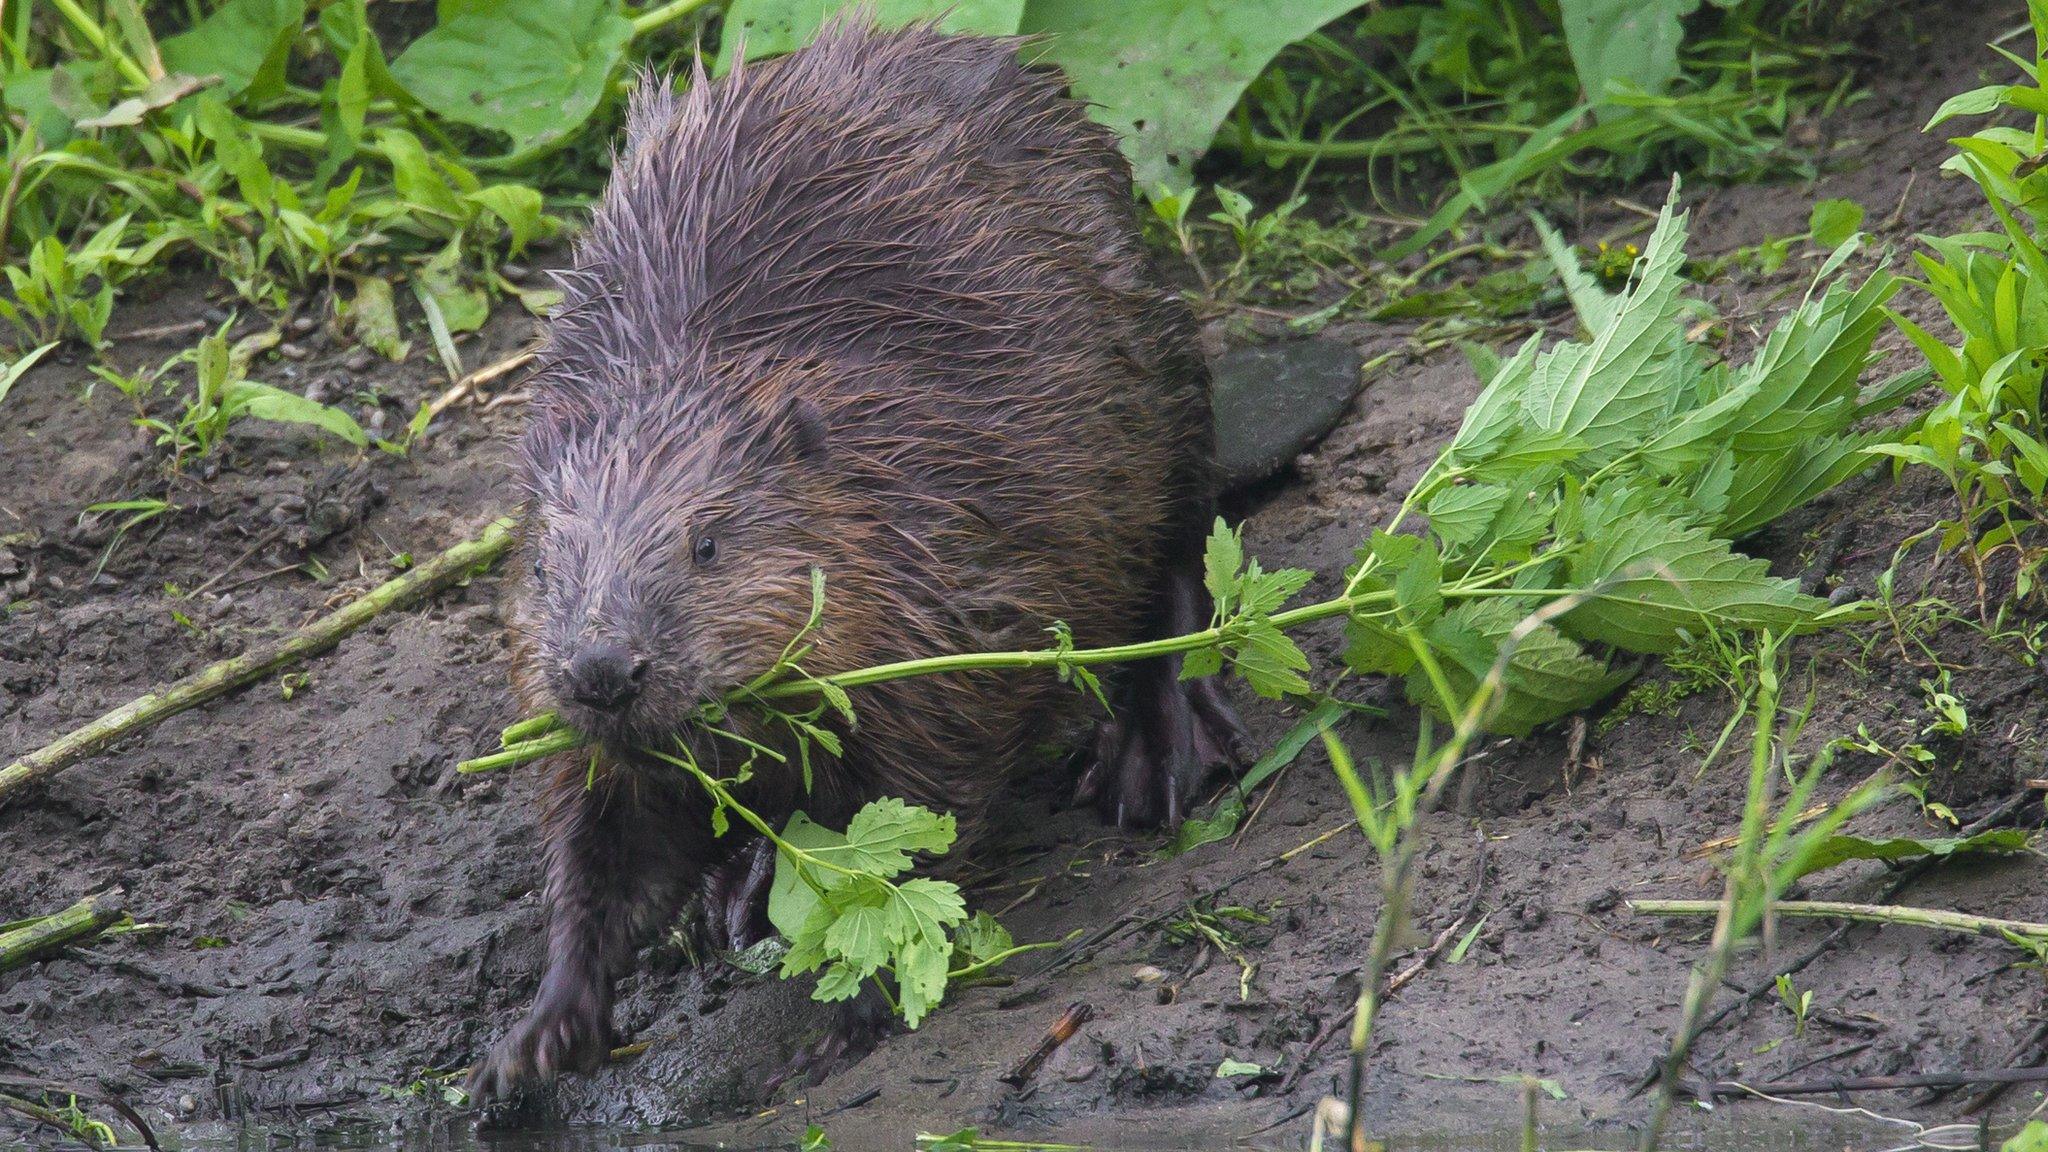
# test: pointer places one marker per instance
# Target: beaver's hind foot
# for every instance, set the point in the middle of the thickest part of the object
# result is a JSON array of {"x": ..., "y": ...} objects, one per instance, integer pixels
[{"x": 1150, "y": 760}]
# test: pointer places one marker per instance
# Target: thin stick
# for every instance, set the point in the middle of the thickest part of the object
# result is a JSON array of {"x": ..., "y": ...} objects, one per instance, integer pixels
[
  {"x": 1935, "y": 918},
  {"x": 1062, "y": 1030},
  {"x": 483, "y": 375},
  {"x": 82, "y": 921},
  {"x": 216, "y": 680}
]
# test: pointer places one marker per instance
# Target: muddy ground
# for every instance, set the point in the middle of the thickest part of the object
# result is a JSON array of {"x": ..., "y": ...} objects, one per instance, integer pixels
[{"x": 332, "y": 910}]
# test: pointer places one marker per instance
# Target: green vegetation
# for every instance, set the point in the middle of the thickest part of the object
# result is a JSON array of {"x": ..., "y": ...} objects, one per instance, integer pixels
[
  {"x": 1987, "y": 440},
  {"x": 1588, "y": 518},
  {"x": 1585, "y": 509}
]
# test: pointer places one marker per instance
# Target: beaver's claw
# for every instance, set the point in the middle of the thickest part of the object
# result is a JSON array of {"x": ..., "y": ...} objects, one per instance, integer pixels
[
  {"x": 568, "y": 1030},
  {"x": 1148, "y": 764}
]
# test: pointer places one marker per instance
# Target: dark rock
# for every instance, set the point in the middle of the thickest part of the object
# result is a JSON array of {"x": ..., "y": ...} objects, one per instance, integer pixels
[{"x": 1274, "y": 401}]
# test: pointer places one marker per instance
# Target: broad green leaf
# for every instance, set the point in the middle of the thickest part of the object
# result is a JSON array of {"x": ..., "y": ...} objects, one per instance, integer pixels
[
  {"x": 1547, "y": 676},
  {"x": 1609, "y": 391},
  {"x": 533, "y": 70},
  {"x": 1839, "y": 849},
  {"x": 520, "y": 207},
  {"x": 791, "y": 901},
  {"x": 1230, "y": 1068},
  {"x": 2032, "y": 1138},
  {"x": 1832, "y": 222},
  {"x": 1649, "y": 577},
  {"x": 1634, "y": 42},
  {"x": 1165, "y": 73},
  {"x": 1975, "y": 102},
  {"x": 244, "y": 42},
  {"x": 776, "y": 27},
  {"x": 1461, "y": 515}
]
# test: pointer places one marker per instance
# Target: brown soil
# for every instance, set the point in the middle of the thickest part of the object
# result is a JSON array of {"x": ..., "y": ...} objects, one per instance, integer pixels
[{"x": 334, "y": 910}]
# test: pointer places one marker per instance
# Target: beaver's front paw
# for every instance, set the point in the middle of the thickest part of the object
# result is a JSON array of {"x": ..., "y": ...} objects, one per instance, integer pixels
[{"x": 565, "y": 1032}]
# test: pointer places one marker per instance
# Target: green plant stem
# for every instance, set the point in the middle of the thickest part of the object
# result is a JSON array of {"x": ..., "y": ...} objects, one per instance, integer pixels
[
  {"x": 1125, "y": 653},
  {"x": 665, "y": 14},
  {"x": 1743, "y": 872},
  {"x": 1935, "y": 918},
  {"x": 1260, "y": 145},
  {"x": 100, "y": 41},
  {"x": 520, "y": 751},
  {"x": 556, "y": 739},
  {"x": 723, "y": 795},
  {"x": 213, "y": 681},
  {"x": 82, "y": 921}
]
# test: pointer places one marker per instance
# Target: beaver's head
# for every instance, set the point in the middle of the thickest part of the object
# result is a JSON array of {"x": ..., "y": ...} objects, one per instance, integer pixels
[{"x": 670, "y": 542}]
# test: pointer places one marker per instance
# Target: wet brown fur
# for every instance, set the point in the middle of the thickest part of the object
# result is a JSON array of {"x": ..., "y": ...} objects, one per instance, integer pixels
[{"x": 880, "y": 308}]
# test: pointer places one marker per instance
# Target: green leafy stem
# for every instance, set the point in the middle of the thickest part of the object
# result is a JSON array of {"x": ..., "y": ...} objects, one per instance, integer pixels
[{"x": 546, "y": 735}]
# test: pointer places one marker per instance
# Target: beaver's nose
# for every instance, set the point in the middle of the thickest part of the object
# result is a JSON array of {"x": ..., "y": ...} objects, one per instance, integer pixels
[{"x": 605, "y": 676}]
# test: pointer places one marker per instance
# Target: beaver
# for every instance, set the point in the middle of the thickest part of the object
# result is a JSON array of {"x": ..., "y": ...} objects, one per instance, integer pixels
[{"x": 879, "y": 308}]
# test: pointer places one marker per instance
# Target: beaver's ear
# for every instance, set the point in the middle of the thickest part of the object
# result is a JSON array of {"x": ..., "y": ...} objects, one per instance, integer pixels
[{"x": 794, "y": 433}]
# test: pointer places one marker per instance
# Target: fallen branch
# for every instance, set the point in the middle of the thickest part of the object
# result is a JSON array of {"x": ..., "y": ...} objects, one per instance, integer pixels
[
  {"x": 1878, "y": 1083},
  {"x": 213, "y": 681},
  {"x": 1935, "y": 918},
  {"x": 50, "y": 934},
  {"x": 467, "y": 386}
]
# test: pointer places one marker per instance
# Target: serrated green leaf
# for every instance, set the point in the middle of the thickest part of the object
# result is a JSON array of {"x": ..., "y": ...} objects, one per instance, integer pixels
[
  {"x": 1547, "y": 677},
  {"x": 1261, "y": 593},
  {"x": 981, "y": 938},
  {"x": 1649, "y": 578},
  {"x": 885, "y": 832},
  {"x": 1201, "y": 662},
  {"x": 1374, "y": 648},
  {"x": 1462, "y": 515},
  {"x": 1595, "y": 305},
  {"x": 859, "y": 938},
  {"x": 1608, "y": 391},
  {"x": 1222, "y": 556},
  {"x": 1269, "y": 662},
  {"x": 1418, "y": 587},
  {"x": 838, "y": 982}
]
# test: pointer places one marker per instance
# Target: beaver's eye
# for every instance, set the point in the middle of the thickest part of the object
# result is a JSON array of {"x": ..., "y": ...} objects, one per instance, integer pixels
[
  {"x": 706, "y": 551},
  {"x": 536, "y": 570}
]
